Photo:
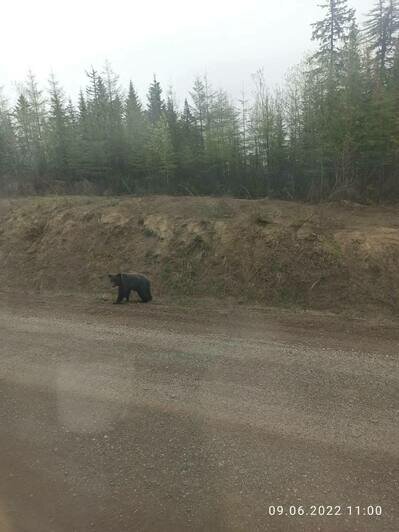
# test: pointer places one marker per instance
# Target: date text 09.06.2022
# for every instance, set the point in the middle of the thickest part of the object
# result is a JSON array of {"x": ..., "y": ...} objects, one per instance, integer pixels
[{"x": 325, "y": 510}]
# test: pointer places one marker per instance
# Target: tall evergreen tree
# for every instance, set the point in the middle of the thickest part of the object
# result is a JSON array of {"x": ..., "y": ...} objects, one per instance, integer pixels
[
  {"x": 328, "y": 63},
  {"x": 97, "y": 156},
  {"x": 201, "y": 106},
  {"x": 8, "y": 154},
  {"x": 37, "y": 124},
  {"x": 190, "y": 164},
  {"x": 136, "y": 132},
  {"x": 27, "y": 161},
  {"x": 331, "y": 33},
  {"x": 381, "y": 33},
  {"x": 161, "y": 158},
  {"x": 58, "y": 139},
  {"x": 353, "y": 112},
  {"x": 155, "y": 105}
]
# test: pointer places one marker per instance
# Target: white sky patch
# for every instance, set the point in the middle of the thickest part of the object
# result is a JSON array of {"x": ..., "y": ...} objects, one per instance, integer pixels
[{"x": 176, "y": 39}]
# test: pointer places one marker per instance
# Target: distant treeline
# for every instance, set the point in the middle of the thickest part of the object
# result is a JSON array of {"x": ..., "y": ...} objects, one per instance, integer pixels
[{"x": 332, "y": 131}]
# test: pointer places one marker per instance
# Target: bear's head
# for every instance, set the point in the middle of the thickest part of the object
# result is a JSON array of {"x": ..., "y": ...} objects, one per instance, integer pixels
[{"x": 116, "y": 280}]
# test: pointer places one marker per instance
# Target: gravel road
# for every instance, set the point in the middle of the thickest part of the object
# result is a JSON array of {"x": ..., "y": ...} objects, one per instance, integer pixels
[{"x": 194, "y": 417}]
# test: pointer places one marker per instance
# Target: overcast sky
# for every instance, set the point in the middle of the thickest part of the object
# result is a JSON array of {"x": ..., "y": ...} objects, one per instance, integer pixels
[{"x": 176, "y": 39}]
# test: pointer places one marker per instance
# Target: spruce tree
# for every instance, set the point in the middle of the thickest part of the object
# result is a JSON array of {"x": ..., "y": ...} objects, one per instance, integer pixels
[
  {"x": 155, "y": 105},
  {"x": 27, "y": 162},
  {"x": 331, "y": 33},
  {"x": 353, "y": 113},
  {"x": 8, "y": 154},
  {"x": 161, "y": 158},
  {"x": 171, "y": 115},
  {"x": 327, "y": 70},
  {"x": 136, "y": 132},
  {"x": 59, "y": 150},
  {"x": 381, "y": 34},
  {"x": 97, "y": 163},
  {"x": 189, "y": 152}
]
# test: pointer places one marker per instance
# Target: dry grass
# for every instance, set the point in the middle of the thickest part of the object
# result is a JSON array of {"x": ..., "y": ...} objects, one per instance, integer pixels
[{"x": 326, "y": 257}]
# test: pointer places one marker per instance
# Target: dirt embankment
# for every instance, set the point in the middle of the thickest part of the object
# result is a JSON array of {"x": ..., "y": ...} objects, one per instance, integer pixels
[{"x": 279, "y": 253}]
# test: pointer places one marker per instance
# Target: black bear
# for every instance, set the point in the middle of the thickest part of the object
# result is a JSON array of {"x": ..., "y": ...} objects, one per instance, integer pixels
[{"x": 126, "y": 282}]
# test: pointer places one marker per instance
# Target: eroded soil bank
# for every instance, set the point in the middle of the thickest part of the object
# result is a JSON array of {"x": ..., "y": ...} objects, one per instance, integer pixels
[{"x": 326, "y": 257}]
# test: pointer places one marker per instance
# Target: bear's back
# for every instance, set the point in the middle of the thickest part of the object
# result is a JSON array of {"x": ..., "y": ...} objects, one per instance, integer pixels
[{"x": 134, "y": 280}]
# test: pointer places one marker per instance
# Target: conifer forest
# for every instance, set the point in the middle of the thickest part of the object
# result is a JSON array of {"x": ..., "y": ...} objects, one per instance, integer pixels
[{"x": 330, "y": 130}]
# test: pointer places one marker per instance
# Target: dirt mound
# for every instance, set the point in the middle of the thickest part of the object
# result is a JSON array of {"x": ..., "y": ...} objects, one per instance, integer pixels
[{"x": 323, "y": 257}]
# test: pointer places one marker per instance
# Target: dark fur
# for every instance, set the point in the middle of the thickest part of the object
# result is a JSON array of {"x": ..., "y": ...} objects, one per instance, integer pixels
[{"x": 126, "y": 282}]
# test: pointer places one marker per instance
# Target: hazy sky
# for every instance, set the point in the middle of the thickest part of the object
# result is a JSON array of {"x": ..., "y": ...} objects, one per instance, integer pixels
[{"x": 176, "y": 39}]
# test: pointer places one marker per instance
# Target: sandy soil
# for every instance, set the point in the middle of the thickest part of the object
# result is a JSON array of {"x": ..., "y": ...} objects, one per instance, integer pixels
[{"x": 194, "y": 417}]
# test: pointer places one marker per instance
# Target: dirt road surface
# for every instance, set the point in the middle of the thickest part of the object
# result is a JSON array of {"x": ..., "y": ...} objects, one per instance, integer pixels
[{"x": 191, "y": 417}]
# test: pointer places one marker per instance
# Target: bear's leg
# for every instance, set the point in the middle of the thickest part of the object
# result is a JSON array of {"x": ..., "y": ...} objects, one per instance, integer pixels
[
  {"x": 120, "y": 296},
  {"x": 147, "y": 291},
  {"x": 144, "y": 294},
  {"x": 128, "y": 294}
]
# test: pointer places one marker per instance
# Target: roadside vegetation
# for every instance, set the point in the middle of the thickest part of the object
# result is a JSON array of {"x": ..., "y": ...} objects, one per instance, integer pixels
[{"x": 269, "y": 252}]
